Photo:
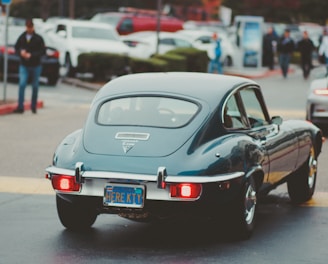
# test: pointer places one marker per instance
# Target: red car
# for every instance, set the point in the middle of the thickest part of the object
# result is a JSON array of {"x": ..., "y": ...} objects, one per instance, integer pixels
[{"x": 126, "y": 23}]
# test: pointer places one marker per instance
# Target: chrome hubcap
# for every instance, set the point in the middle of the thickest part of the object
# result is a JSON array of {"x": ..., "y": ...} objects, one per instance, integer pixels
[
  {"x": 250, "y": 204},
  {"x": 313, "y": 166}
]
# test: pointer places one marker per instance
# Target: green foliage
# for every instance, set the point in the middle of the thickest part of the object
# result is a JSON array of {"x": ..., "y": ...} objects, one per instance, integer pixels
[
  {"x": 148, "y": 65},
  {"x": 174, "y": 62},
  {"x": 103, "y": 66},
  {"x": 197, "y": 60}
]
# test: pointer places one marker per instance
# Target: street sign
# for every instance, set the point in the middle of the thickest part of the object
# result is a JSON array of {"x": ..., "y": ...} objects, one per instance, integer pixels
[{"x": 6, "y": 2}]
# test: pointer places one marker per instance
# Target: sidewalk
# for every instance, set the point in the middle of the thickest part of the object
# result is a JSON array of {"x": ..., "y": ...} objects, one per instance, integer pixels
[{"x": 9, "y": 106}]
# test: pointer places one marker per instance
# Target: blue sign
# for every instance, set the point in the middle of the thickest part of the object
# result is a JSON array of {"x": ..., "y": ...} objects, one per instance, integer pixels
[{"x": 6, "y": 2}]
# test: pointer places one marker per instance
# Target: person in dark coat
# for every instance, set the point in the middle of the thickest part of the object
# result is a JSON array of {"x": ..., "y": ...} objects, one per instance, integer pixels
[
  {"x": 269, "y": 48},
  {"x": 30, "y": 48},
  {"x": 286, "y": 47},
  {"x": 305, "y": 46}
]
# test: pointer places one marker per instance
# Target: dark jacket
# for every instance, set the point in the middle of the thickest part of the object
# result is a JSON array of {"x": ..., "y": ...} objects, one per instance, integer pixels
[
  {"x": 305, "y": 47},
  {"x": 35, "y": 46},
  {"x": 286, "y": 45},
  {"x": 268, "y": 43}
]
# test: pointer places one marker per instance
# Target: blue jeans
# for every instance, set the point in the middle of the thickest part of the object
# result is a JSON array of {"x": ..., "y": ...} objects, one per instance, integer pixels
[
  {"x": 26, "y": 74},
  {"x": 284, "y": 60},
  {"x": 215, "y": 64},
  {"x": 326, "y": 62}
]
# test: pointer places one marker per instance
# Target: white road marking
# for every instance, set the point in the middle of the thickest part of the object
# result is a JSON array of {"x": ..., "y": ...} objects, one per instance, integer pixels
[{"x": 11, "y": 184}]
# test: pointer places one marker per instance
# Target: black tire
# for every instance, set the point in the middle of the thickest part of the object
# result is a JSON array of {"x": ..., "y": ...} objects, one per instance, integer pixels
[
  {"x": 52, "y": 80},
  {"x": 69, "y": 69},
  {"x": 74, "y": 216},
  {"x": 243, "y": 213},
  {"x": 227, "y": 62},
  {"x": 301, "y": 184}
]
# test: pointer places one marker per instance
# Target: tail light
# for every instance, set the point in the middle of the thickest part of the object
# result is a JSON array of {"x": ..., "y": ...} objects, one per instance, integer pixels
[
  {"x": 10, "y": 50},
  {"x": 323, "y": 92},
  {"x": 52, "y": 53},
  {"x": 131, "y": 43},
  {"x": 186, "y": 190},
  {"x": 65, "y": 183}
]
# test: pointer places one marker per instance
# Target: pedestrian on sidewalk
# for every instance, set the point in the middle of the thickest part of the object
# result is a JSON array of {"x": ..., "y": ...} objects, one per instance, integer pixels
[
  {"x": 286, "y": 47},
  {"x": 270, "y": 40},
  {"x": 215, "y": 63},
  {"x": 323, "y": 49},
  {"x": 305, "y": 46},
  {"x": 30, "y": 48}
]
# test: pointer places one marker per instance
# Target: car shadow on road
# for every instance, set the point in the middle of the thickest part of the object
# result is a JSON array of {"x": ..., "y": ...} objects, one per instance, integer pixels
[{"x": 114, "y": 234}]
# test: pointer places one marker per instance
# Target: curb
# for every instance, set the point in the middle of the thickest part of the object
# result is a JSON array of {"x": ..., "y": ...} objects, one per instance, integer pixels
[
  {"x": 8, "y": 108},
  {"x": 258, "y": 74}
]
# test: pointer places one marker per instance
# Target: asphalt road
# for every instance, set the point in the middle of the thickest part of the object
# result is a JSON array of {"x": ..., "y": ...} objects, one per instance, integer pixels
[{"x": 30, "y": 231}]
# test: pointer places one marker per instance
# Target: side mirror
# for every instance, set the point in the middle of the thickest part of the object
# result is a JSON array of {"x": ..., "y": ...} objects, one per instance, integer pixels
[{"x": 276, "y": 120}]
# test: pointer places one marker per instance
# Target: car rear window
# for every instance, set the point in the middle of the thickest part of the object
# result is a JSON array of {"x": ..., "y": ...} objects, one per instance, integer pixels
[
  {"x": 147, "y": 111},
  {"x": 93, "y": 33}
]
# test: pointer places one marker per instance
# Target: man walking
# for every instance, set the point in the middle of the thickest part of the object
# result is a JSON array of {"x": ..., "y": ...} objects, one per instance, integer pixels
[
  {"x": 306, "y": 47},
  {"x": 286, "y": 47},
  {"x": 30, "y": 48}
]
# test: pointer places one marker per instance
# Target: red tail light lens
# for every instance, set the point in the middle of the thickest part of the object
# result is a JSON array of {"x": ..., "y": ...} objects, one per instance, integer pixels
[
  {"x": 323, "y": 92},
  {"x": 53, "y": 53},
  {"x": 10, "y": 50},
  {"x": 186, "y": 190},
  {"x": 65, "y": 183},
  {"x": 131, "y": 43}
]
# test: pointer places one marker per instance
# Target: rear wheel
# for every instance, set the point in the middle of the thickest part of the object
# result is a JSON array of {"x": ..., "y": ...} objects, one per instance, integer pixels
[
  {"x": 243, "y": 213},
  {"x": 301, "y": 184},
  {"x": 227, "y": 61},
  {"x": 69, "y": 69},
  {"x": 53, "y": 79},
  {"x": 74, "y": 216}
]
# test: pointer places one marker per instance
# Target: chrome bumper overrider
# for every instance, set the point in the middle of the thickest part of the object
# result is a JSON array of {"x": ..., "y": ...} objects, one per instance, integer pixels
[{"x": 93, "y": 182}]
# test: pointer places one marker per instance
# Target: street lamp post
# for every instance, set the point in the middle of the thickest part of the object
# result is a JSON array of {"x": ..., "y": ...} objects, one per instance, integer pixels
[
  {"x": 159, "y": 8},
  {"x": 5, "y": 58}
]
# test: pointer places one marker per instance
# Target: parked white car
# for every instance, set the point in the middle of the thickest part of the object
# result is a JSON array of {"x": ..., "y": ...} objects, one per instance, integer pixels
[
  {"x": 73, "y": 37},
  {"x": 317, "y": 102},
  {"x": 143, "y": 44},
  {"x": 203, "y": 40}
]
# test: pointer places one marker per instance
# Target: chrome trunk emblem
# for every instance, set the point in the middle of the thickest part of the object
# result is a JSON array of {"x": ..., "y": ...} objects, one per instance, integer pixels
[
  {"x": 127, "y": 145},
  {"x": 129, "y": 139}
]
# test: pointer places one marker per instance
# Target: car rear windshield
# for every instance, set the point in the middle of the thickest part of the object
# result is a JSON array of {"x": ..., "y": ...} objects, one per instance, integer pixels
[
  {"x": 110, "y": 19},
  {"x": 147, "y": 111},
  {"x": 93, "y": 33}
]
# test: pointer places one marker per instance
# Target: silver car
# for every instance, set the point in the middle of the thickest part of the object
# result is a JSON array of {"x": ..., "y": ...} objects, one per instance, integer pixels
[{"x": 317, "y": 102}]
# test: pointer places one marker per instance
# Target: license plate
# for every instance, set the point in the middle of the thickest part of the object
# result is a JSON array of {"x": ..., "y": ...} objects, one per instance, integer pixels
[{"x": 124, "y": 195}]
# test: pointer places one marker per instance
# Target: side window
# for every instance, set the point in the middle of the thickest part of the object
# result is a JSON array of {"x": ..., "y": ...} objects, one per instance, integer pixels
[
  {"x": 253, "y": 107},
  {"x": 182, "y": 43},
  {"x": 205, "y": 40},
  {"x": 232, "y": 117},
  {"x": 126, "y": 26},
  {"x": 166, "y": 41},
  {"x": 61, "y": 28},
  {"x": 61, "y": 31}
]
